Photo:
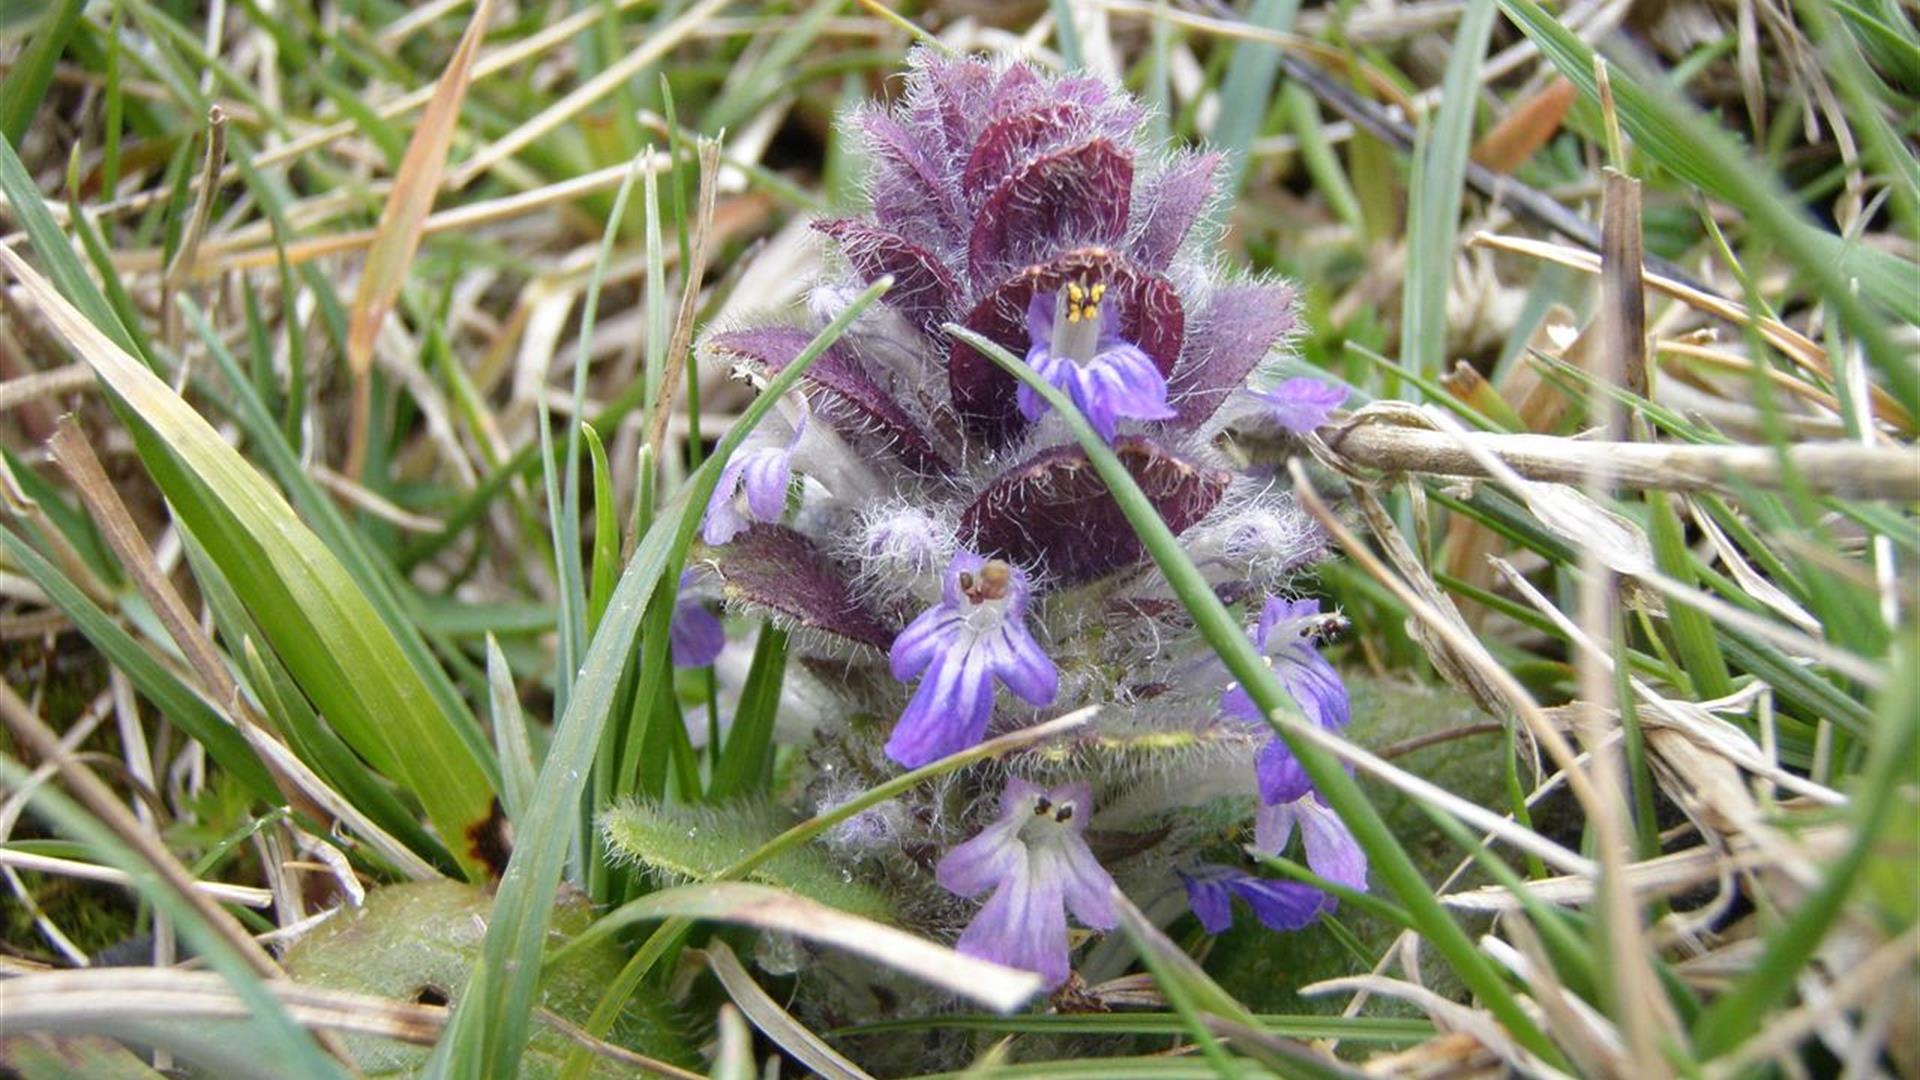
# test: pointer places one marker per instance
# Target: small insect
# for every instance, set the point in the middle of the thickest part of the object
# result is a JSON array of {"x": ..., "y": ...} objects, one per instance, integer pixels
[{"x": 1319, "y": 629}]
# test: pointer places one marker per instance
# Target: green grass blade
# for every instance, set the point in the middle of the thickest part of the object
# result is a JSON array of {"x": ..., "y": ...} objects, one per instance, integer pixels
[
  {"x": 26, "y": 83},
  {"x": 606, "y": 531},
  {"x": 1440, "y": 172},
  {"x": 1247, "y": 93},
  {"x": 747, "y": 758},
  {"x": 511, "y": 744}
]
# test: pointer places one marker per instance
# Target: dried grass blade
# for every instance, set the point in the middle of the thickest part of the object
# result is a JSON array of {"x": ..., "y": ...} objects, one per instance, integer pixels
[
  {"x": 768, "y": 908},
  {"x": 397, "y": 236}
]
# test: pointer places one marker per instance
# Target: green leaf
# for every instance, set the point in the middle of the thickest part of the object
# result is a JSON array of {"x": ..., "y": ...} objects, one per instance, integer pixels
[{"x": 683, "y": 843}]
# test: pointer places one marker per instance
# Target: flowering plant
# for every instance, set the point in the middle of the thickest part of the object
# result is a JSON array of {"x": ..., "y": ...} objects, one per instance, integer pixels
[{"x": 923, "y": 506}]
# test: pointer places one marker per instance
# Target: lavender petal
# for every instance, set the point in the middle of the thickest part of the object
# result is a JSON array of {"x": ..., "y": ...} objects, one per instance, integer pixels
[
  {"x": 1332, "y": 851},
  {"x": 1207, "y": 895},
  {"x": 723, "y": 521},
  {"x": 1281, "y": 777},
  {"x": 1084, "y": 883},
  {"x": 695, "y": 635},
  {"x": 1148, "y": 314},
  {"x": 983, "y": 862},
  {"x": 1024, "y": 925},
  {"x": 1020, "y": 663},
  {"x": 948, "y": 711},
  {"x": 1281, "y": 905},
  {"x": 931, "y": 633},
  {"x": 1302, "y": 404}
]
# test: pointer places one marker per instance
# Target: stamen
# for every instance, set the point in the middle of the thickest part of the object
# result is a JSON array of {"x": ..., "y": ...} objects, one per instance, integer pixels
[
  {"x": 992, "y": 583},
  {"x": 1041, "y": 806}
]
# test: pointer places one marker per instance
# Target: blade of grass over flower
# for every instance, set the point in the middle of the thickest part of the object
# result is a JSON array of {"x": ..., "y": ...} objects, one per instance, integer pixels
[
  {"x": 1433, "y": 225},
  {"x": 316, "y": 615},
  {"x": 769, "y": 908},
  {"x": 397, "y": 236},
  {"x": 1224, "y": 633},
  {"x": 563, "y": 474},
  {"x": 488, "y": 1031},
  {"x": 669, "y": 933}
]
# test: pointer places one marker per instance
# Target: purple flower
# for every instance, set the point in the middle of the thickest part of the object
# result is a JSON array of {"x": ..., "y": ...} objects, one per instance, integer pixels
[
  {"x": 1037, "y": 863},
  {"x": 1279, "y": 905},
  {"x": 696, "y": 634},
  {"x": 1076, "y": 346},
  {"x": 752, "y": 487},
  {"x": 1302, "y": 404},
  {"x": 1286, "y": 636},
  {"x": 1332, "y": 851},
  {"x": 977, "y": 632}
]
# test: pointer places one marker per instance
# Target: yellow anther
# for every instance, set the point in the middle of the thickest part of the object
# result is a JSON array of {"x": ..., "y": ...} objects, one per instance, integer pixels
[
  {"x": 1093, "y": 311},
  {"x": 1075, "y": 293},
  {"x": 1073, "y": 312},
  {"x": 1099, "y": 291}
]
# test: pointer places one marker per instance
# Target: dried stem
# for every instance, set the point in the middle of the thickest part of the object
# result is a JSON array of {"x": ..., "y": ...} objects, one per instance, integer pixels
[{"x": 1843, "y": 469}]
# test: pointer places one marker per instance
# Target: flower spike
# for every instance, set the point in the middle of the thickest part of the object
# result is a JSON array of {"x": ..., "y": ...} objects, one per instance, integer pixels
[{"x": 975, "y": 634}]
